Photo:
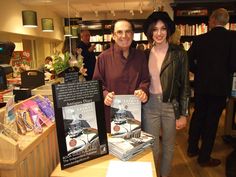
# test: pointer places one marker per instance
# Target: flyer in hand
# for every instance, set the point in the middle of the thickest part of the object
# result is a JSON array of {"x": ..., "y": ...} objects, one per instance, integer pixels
[
  {"x": 125, "y": 116},
  {"x": 80, "y": 122}
]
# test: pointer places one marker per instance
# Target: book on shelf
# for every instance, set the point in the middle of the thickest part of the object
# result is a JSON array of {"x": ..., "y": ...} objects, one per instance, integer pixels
[
  {"x": 80, "y": 122},
  {"x": 126, "y": 148},
  {"x": 192, "y": 30},
  {"x": 96, "y": 38},
  {"x": 107, "y": 37},
  {"x": 137, "y": 36},
  {"x": 195, "y": 12},
  {"x": 143, "y": 37},
  {"x": 125, "y": 116}
]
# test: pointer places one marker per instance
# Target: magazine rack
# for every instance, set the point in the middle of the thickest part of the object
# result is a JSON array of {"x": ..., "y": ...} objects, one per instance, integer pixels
[{"x": 33, "y": 155}]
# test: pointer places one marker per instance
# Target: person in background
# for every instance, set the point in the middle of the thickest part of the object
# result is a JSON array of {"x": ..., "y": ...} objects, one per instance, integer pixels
[
  {"x": 47, "y": 68},
  {"x": 47, "y": 64},
  {"x": 87, "y": 53},
  {"x": 122, "y": 69},
  {"x": 212, "y": 61},
  {"x": 167, "y": 108}
]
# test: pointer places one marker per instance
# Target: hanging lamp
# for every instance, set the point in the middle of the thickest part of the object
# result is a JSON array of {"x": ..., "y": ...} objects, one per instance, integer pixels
[
  {"x": 74, "y": 31},
  {"x": 29, "y": 18},
  {"x": 47, "y": 24}
]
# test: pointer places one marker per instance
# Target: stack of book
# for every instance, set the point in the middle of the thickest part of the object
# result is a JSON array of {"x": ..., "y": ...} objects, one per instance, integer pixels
[{"x": 125, "y": 149}]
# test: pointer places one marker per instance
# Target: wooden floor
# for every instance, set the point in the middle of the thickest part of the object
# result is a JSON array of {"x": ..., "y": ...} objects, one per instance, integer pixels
[{"x": 183, "y": 166}]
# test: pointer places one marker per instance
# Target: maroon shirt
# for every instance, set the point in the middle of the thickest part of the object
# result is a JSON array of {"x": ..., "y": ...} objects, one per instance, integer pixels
[{"x": 121, "y": 75}]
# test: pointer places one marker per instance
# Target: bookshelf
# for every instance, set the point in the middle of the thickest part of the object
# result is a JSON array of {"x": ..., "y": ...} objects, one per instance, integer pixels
[
  {"x": 191, "y": 18},
  {"x": 101, "y": 33}
]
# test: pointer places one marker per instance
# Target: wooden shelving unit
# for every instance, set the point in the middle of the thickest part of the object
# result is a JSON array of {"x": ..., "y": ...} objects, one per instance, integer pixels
[{"x": 192, "y": 17}]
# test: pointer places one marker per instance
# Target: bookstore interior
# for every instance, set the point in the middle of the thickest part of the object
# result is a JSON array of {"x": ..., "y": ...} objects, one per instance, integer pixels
[{"x": 51, "y": 121}]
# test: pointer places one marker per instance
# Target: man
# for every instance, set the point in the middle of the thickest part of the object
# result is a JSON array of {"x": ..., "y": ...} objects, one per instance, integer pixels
[
  {"x": 212, "y": 60},
  {"x": 122, "y": 68},
  {"x": 87, "y": 53}
]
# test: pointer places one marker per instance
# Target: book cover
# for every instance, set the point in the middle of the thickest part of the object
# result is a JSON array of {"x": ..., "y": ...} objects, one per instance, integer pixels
[
  {"x": 125, "y": 116},
  {"x": 80, "y": 122}
]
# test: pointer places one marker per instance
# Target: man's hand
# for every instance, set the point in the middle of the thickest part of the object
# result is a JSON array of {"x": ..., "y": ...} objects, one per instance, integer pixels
[
  {"x": 109, "y": 98},
  {"x": 142, "y": 96},
  {"x": 91, "y": 49}
]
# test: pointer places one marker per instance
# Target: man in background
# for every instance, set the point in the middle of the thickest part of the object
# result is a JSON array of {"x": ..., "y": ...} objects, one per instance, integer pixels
[
  {"x": 87, "y": 53},
  {"x": 212, "y": 60}
]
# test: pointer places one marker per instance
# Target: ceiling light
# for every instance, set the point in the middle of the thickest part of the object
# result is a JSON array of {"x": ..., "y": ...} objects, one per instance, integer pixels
[
  {"x": 96, "y": 13},
  {"x": 74, "y": 31},
  {"x": 77, "y": 14},
  {"x": 67, "y": 31},
  {"x": 132, "y": 12},
  {"x": 113, "y": 12},
  {"x": 140, "y": 7}
]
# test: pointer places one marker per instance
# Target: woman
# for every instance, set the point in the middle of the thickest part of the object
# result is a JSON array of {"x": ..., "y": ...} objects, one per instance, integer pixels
[{"x": 167, "y": 107}]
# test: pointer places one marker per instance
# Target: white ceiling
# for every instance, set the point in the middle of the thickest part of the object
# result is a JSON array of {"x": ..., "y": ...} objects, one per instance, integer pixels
[{"x": 101, "y": 9}]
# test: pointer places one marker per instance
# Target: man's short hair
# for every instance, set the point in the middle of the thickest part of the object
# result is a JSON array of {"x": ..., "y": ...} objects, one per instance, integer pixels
[
  {"x": 118, "y": 20},
  {"x": 221, "y": 16}
]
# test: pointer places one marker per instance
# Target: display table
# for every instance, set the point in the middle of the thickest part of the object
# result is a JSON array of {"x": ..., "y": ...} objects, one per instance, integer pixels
[{"x": 98, "y": 167}]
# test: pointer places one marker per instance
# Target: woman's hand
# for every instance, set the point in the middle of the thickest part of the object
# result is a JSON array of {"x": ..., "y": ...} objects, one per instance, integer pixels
[
  {"x": 181, "y": 122},
  {"x": 142, "y": 96},
  {"x": 109, "y": 98}
]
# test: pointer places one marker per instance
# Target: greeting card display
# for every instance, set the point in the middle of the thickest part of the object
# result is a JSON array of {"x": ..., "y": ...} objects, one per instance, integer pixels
[
  {"x": 125, "y": 116},
  {"x": 80, "y": 122}
]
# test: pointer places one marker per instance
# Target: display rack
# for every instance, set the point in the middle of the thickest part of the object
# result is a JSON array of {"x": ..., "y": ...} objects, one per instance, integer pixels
[{"x": 32, "y": 155}]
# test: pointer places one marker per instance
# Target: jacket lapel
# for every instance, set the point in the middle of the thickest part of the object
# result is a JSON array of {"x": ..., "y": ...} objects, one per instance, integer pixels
[{"x": 168, "y": 60}]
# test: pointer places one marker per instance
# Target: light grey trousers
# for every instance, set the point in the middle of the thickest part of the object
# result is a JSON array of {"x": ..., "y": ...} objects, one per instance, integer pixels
[{"x": 159, "y": 120}]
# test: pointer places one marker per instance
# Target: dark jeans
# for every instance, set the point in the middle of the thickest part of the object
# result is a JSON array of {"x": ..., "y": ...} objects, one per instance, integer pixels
[{"x": 204, "y": 124}]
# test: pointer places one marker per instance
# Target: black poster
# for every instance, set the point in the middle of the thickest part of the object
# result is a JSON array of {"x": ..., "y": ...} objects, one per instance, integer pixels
[
  {"x": 80, "y": 122},
  {"x": 71, "y": 77},
  {"x": 71, "y": 74}
]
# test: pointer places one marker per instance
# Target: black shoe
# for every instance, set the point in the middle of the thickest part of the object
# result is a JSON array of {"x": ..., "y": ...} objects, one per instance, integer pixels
[{"x": 211, "y": 163}]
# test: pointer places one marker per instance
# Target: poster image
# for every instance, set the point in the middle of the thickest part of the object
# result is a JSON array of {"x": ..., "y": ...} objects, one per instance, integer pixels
[
  {"x": 81, "y": 129},
  {"x": 80, "y": 122},
  {"x": 126, "y": 116}
]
